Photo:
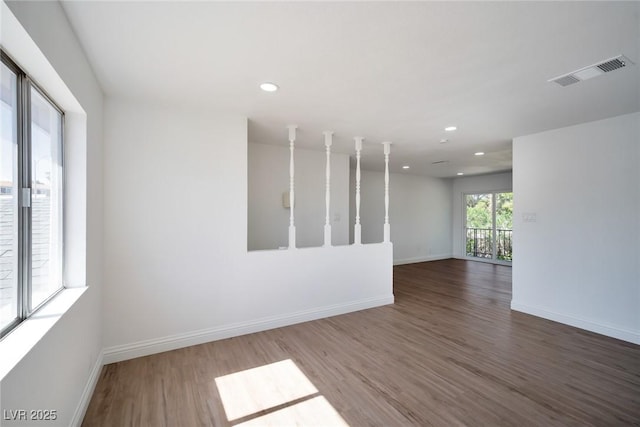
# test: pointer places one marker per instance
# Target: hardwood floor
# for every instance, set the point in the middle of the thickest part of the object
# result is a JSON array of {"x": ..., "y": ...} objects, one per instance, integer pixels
[{"x": 448, "y": 352}]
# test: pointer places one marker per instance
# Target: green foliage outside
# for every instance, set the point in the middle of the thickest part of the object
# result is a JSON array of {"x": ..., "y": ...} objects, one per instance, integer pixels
[
  {"x": 479, "y": 211},
  {"x": 504, "y": 211}
]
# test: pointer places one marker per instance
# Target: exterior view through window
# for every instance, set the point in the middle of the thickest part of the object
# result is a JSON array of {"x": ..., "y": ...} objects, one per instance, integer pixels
[
  {"x": 31, "y": 202},
  {"x": 8, "y": 198},
  {"x": 489, "y": 226}
]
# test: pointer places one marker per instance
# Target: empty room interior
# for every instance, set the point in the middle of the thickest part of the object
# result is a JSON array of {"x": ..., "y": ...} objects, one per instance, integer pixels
[{"x": 310, "y": 213}]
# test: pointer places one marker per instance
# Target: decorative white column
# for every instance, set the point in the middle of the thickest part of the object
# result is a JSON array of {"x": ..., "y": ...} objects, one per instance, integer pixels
[
  {"x": 327, "y": 195},
  {"x": 387, "y": 227},
  {"x": 357, "y": 230},
  {"x": 292, "y": 195}
]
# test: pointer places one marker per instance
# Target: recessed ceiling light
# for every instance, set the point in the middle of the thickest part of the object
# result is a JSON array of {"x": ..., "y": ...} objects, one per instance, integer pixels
[
  {"x": 444, "y": 141},
  {"x": 269, "y": 87},
  {"x": 405, "y": 167},
  {"x": 479, "y": 153},
  {"x": 450, "y": 128},
  {"x": 460, "y": 173}
]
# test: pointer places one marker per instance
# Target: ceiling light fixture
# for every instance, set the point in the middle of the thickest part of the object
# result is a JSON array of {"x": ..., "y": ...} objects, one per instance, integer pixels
[
  {"x": 450, "y": 128},
  {"x": 269, "y": 87},
  {"x": 479, "y": 153},
  {"x": 405, "y": 167},
  {"x": 460, "y": 173}
]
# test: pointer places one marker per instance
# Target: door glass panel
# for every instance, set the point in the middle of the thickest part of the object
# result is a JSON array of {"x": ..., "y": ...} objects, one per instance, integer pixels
[
  {"x": 504, "y": 226},
  {"x": 479, "y": 240}
]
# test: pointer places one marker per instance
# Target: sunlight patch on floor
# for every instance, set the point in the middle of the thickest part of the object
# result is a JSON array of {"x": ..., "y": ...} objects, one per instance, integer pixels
[{"x": 248, "y": 392}]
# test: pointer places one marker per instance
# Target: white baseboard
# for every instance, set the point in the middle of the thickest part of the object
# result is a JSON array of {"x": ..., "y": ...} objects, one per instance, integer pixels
[
  {"x": 159, "y": 345},
  {"x": 485, "y": 260},
  {"x": 610, "y": 331},
  {"x": 421, "y": 259},
  {"x": 85, "y": 398}
]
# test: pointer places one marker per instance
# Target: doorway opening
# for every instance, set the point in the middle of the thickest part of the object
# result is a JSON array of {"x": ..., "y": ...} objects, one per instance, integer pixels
[{"x": 489, "y": 226}]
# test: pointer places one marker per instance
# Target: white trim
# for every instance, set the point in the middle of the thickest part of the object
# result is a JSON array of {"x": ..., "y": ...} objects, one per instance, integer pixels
[
  {"x": 608, "y": 330},
  {"x": 463, "y": 232},
  {"x": 421, "y": 259},
  {"x": 486, "y": 260},
  {"x": 159, "y": 345},
  {"x": 17, "y": 344},
  {"x": 87, "y": 393}
]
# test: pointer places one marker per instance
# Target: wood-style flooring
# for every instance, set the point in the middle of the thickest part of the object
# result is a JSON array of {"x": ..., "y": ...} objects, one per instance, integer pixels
[{"x": 449, "y": 352}]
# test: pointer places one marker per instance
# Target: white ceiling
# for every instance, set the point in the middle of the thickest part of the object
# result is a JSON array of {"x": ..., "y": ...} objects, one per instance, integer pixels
[{"x": 386, "y": 71}]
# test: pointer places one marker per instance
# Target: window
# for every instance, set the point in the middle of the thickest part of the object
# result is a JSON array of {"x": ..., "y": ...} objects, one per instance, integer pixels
[{"x": 31, "y": 203}]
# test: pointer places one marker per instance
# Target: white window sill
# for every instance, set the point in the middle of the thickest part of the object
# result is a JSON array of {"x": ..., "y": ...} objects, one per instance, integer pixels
[{"x": 19, "y": 342}]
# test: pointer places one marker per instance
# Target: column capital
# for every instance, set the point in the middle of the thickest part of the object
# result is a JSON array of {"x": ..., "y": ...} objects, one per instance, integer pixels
[
  {"x": 387, "y": 147},
  {"x": 292, "y": 132}
]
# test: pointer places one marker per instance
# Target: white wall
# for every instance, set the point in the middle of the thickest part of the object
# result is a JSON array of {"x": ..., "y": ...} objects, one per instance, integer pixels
[
  {"x": 177, "y": 267},
  {"x": 468, "y": 185},
  {"x": 59, "y": 371},
  {"x": 419, "y": 214},
  {"x": 579, "y": 262},
  {"x": 269, "y": 179}
]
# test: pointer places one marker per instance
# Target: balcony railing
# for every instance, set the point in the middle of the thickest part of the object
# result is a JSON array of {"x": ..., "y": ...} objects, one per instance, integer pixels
[{"x": 480, "y": 243}]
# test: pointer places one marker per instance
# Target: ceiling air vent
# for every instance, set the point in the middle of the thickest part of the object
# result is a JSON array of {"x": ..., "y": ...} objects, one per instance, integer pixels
[
  {"x": 614, "y": 64},
  {"x": 566, "y": 80},
  {"x": 591, "y": 71},
  {"x": 440, "y": 162}
]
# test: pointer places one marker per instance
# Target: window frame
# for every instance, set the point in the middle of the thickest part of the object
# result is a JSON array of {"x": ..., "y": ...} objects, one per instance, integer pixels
[{"x": 24, "y": 85}]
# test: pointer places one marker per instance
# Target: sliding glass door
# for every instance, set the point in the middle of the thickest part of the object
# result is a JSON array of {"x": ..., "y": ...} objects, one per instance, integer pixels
[{"x": 489, "y": 226}]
